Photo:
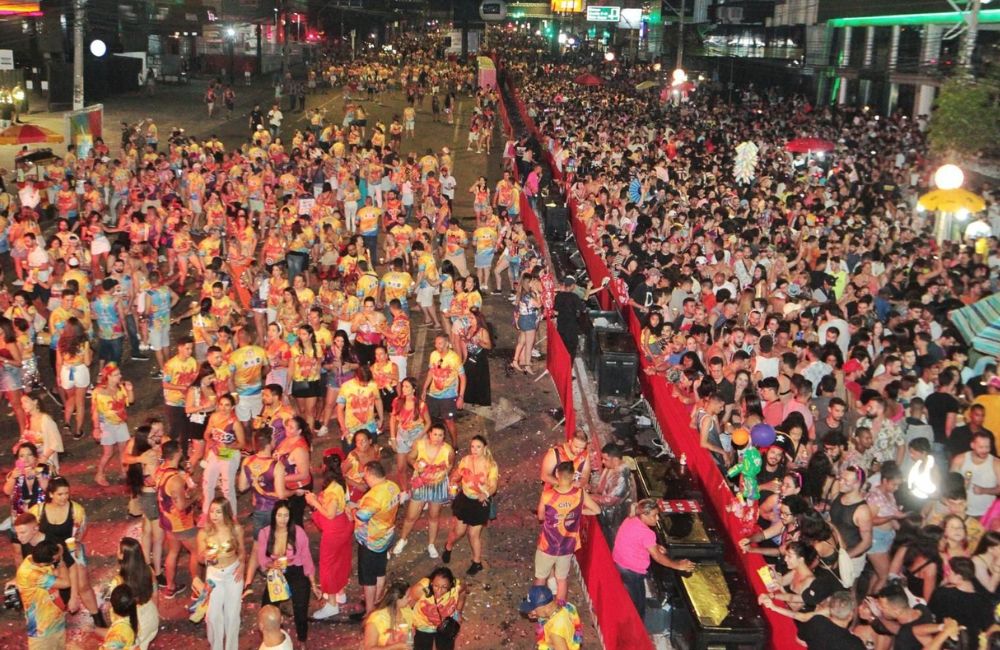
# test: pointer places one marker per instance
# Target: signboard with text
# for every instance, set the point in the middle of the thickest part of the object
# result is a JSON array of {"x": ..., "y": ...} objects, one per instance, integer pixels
[{"x": 604, "y": 14}]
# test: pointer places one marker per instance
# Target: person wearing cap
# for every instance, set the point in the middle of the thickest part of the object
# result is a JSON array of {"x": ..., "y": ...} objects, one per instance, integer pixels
[
  {"x": 853, "y": 369},
  {"x": 557, "y": 623},
  {"x": 569, "y": 307},
  {"x": 635, "y": 548}
]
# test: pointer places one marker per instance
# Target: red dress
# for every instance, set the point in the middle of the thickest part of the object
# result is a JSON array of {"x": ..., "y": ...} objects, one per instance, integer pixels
[{"x": 335, "y": 544}]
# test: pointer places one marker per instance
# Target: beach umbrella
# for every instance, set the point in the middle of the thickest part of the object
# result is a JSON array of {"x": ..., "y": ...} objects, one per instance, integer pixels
[
  {"x": 588, "y": 79},
  {"x": 28, "y": 134},
  {"x": 646, "y": 85},
  {"x": 979, "y": 324},
  {"x": 953, "y": 201},
  {"x": 809, "y": 145}
]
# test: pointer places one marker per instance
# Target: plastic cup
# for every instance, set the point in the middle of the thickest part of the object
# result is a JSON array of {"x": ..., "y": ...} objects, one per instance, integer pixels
[{"x": 71, "y": 544}]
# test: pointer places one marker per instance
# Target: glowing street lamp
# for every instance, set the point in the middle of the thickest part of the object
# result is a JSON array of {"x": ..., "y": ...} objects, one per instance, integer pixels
[
  {"x": 609, "y": 56},
  {"x": 949, "y": 177}
]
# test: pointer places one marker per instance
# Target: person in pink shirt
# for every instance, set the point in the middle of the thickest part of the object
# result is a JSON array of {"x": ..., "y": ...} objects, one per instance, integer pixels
[
  {"x": 635, "y": 547},
  {"x": 285, "y": 547},
  {"x": 774, "y": 408},
  {"x": 799, "y": 403}
]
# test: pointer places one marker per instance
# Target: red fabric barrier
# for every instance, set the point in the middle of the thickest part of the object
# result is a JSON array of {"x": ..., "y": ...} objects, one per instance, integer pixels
[
  {"x": 560, "y": 367},
  {"x": 597, "y": 567},
  {"x": 619, "y": 625},
  {"x": 531, "y": 224}
]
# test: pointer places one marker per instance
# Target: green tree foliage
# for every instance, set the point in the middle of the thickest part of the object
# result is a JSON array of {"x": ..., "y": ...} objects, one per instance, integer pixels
[{"x": 966, "y": 117}]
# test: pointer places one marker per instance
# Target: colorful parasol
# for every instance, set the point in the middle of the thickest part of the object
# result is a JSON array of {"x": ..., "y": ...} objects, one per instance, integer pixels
[
  {"x": 809, "y": 145},
  {"x": 979, "y": 324},
  {"x": 28, "y": 134},
  {"x": 954, "y": 200}
]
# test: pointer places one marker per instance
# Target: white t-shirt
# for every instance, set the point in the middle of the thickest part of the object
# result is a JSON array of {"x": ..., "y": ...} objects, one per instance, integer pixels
[{"x": 284, "y": 645}]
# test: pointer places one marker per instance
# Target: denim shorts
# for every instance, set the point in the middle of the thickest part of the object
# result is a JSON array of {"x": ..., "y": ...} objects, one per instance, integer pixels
[{"x": 882, "y": 540}]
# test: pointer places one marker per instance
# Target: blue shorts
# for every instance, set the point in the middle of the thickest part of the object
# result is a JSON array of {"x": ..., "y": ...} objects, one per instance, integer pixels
[
  {"x": 882, "y": 540},
  {"x": 484, "y": 260},
  {"x": 527, "y": 322}
]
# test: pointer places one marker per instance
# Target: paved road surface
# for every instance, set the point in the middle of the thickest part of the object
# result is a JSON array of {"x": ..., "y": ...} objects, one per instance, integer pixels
[{"x": 492, "y": 619}]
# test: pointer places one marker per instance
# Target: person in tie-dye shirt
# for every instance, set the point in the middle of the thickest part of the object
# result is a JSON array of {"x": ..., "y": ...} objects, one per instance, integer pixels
[
  {"x": 560, "y": 510},
  {"x": 38, "y": 581},
  {"x": 124, "y": 620}
]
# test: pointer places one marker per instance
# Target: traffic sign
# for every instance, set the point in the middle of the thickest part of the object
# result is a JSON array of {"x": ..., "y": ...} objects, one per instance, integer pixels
[{"x": 604, "y": 14}]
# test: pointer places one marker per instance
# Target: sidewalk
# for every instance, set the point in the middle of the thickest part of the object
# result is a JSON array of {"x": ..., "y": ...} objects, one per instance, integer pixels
[{"x": 173, "y": 105}]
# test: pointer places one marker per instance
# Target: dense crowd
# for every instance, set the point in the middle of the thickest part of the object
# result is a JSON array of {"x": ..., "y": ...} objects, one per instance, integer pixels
[
  {"x": 813, "y": 300},
  {"x": 269, "y": 287}
]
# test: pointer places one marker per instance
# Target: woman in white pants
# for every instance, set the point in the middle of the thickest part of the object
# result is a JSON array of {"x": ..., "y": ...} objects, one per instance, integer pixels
[
  {"x": 220, "y": 547},
  {"x": 352, "y": 196},
  {"x": 224, "y": 438}
]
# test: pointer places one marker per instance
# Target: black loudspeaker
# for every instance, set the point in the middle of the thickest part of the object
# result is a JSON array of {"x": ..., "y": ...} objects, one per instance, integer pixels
[
  {"x": 599, "y": 321},
  {"x": 617, "y": 364},
  {"x": 556, "y": 222}
]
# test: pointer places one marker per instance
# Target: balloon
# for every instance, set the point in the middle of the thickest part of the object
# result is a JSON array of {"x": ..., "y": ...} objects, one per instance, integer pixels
[
  {"x": 741, "y": 437},
  {"x": 762, "y": 435},
  {"x": 748, "y": 468}
]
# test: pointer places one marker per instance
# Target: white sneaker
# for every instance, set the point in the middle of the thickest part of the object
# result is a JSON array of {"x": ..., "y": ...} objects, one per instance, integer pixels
[
  {"x": 535, "y": 354},
  {"x": 323, "y": 430},
  {"x": 400, "y": 545},
  {"x": 432, "y": 551},
  {"x": 324, "y": 612}
]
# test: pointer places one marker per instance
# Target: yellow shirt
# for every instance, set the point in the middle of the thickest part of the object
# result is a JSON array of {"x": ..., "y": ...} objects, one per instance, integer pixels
[
  {"x": 476, "y": 476},
  {"x": 359, "y": 404},
  {"x": 445, "y": 371},
  {"x": 429, "y": 612},
  {"x": 397, "y": 285},
  {"x": 431, "y": 470},
  {"x": 120, "y": 636},
  {"x": 565, "y": 625},
  {"x": 368, "y": 218},
  {"x": 178, "y": 375},
  {"x": 485, "y": 239},
  {"x": 387, "y": 634},
  {"x": 375, "y": 519},
  {"x": 245, "y": 366},
  {"x": 334, "y": 493},
  {"x": 367, "y": 286},
  {"x": 305, "y": 364}
]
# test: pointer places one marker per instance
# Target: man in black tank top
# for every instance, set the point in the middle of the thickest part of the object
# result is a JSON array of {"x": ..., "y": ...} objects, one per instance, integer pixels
[{"x": 852, "y": 517}]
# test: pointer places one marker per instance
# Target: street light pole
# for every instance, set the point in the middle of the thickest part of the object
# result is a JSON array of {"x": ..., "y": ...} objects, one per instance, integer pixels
[
  {"x": 971, "y": 33},
  {"x": 680, "y": 38},
  {"x": 78, "y": 18}
]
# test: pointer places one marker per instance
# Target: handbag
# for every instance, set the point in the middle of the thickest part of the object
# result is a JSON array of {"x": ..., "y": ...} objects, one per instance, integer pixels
[
  {"x": 493, "y": 507},
  {"x": 277, "y": 586},
  {"x": 449, "y": 627},
  {"x": 845, "y": 568}
]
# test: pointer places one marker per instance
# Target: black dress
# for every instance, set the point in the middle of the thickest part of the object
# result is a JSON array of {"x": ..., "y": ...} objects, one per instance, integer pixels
[{"x": 477, "y": 377}]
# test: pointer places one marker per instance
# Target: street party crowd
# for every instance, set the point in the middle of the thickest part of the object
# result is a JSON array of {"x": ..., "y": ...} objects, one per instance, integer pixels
[
  {"x": 269, "y": 288},
  {"x": 801, "y": 315}
]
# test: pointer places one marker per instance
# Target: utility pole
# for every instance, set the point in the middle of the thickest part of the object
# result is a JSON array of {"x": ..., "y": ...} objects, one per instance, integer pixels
[
  {"x": 971, "y": 33},
  {"x": 78, "y": 18},
  {"x": 284, "y": 40},
  {"x": 680, "y": 38}
]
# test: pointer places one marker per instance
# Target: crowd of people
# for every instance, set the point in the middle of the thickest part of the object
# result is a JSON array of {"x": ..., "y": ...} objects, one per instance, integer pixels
[
  {"x": 270, "y": 290},
  {"x": 813, "y": 299}
]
